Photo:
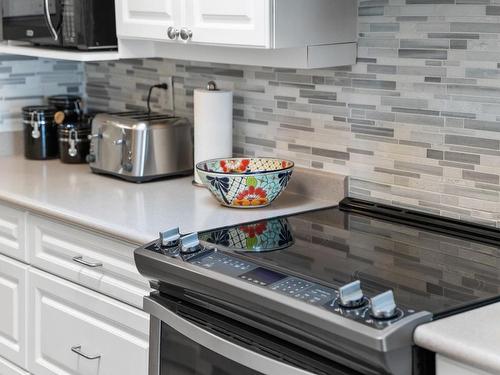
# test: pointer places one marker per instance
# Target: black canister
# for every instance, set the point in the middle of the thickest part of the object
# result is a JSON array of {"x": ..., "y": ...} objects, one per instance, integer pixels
[
  {"x": 40, "y": 133},
  {"x": 69, "y": 108},
  {"x": 74, "y": 144}
]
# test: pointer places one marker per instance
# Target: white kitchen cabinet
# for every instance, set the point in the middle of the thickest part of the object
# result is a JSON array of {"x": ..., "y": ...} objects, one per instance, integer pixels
[
  {"x": 12, "y": 232},
  {"x": 229, "y": 22},
  {"x": 100, "y": 263},
  {"x": 446, "y": 366},
  {"x": 8, "y": 368},
  {"x": 288, "y": 33},
  {"x": 75, "y": 331},
  {"x": 13, "y": 299},
  {"x": 147, "y": 18},
  {"x": 221, "y": 22}
]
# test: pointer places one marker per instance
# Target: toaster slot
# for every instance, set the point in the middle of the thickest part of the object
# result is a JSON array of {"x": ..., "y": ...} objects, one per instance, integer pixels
[
  {"x": 127, "y": 113},
  {"x": 154, "y": 117},
  {"x": 143, "y": 116}
]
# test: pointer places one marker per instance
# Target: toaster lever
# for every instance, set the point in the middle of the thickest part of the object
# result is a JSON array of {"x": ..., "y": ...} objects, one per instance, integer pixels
[
  {"x": 119, "y": 142},
  {"x": 94, "y": 136}
]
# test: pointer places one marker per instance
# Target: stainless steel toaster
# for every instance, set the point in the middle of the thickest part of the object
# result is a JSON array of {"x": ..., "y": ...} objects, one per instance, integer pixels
[{"x": 139, "y": 147}]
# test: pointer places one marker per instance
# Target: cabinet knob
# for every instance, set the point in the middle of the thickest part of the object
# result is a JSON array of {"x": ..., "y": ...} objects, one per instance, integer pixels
[
  {"x": 173, "y": 33},
  {"x": 186, "y": 34}
]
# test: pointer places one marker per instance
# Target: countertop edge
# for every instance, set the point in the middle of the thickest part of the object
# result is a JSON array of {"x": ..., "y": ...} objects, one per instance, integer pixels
[
  {"x": 105, "y": 228},
  {"x": 432, "y": 338},
  {"x": 61, "y": 214}
]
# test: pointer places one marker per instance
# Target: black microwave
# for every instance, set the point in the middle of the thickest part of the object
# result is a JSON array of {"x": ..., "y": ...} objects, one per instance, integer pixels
[{"x": 78, "y": 24}]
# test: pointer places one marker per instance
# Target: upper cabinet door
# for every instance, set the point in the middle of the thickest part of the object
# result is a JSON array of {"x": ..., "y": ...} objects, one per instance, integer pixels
[
  {"x": 229, "y": 22},
  {"x": 148, "y": 19}
]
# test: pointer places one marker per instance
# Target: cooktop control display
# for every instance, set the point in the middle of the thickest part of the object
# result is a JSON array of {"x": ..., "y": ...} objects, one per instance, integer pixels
[
  {"x": 223, "y": 263},
  {"x": 293, "y": 287},
  {"x": 262, "y": 276}
]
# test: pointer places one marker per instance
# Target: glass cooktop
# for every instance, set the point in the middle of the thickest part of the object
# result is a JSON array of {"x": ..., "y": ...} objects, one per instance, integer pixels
[{"x": 427, "y": 270}]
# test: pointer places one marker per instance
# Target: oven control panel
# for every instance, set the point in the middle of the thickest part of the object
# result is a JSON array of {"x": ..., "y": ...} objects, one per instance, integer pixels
[{"x": 348, "y": 301}]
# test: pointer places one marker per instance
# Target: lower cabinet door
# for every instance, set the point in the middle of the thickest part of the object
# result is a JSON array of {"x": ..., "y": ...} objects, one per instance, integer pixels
[
  {"x": 7, "y": 368},
  {"x": 13, "y": 299},
  {"x": 75, "y": 331}
]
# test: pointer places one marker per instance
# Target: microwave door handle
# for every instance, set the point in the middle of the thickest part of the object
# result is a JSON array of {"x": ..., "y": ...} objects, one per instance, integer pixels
[
  {"x": 48, "y": 19},
  {"x": 246, "y": 357}
]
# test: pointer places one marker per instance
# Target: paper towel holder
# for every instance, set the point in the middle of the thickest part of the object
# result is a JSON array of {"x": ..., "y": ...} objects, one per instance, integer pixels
[{"x": 212, "y": 86}]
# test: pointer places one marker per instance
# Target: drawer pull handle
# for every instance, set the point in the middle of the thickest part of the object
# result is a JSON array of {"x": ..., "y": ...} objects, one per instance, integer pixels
[
  {"x": 78, "y": 350},
  {"x": 79, "y": 259}
]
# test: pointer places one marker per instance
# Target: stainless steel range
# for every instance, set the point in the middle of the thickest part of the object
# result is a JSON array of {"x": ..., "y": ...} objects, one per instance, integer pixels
[{"x": 334, "y": 291}]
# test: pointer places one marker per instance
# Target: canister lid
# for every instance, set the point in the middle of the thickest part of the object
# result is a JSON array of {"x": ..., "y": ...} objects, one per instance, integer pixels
[
  {"x": 79, "y": 127},
  {"x": 65, "y": 101},
  {"x": 83, "y": 125},
  {"x": 45, "y": 110}
]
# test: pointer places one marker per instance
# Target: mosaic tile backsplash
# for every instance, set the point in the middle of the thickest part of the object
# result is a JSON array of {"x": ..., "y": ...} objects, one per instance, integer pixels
[
  {"x": 416, "y": 122},
  {"x": 28, "y": 80}
]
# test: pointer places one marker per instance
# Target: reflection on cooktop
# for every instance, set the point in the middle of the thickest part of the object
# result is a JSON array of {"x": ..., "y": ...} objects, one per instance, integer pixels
[
  {"x": 263, "y": 236},
  {"x": 426, "y": 270}
]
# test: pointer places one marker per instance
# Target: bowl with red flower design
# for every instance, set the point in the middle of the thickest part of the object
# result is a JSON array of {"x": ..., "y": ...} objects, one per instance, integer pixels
[{"x": 245, "y": 182}]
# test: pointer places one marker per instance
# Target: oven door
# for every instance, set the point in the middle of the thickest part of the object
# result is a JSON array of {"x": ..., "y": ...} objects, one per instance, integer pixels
[
  {"x": 34, "y": 21},
  {"x": 184, "y": 342}
]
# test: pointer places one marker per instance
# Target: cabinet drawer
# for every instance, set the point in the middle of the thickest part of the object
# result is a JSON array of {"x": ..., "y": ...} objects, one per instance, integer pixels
[
  {"x": 7, "y": 368},
  {"x": 97, "y": 262},
  {"x": 12, "y": 232},
  {"x": 75, "y": 331},
  {"x": 13, "y": 296}
]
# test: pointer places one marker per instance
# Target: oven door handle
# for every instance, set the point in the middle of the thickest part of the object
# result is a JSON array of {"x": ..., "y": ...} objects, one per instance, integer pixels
[{"x": 246, "y": 357}]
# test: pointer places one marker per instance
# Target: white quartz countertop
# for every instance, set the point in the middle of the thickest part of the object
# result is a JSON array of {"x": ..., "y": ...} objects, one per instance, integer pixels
[
  {"x": 133, "y": 212},
  {"x": 472, "y": 338}
]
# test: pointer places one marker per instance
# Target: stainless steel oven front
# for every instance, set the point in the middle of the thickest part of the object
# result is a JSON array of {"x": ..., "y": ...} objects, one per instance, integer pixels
[{"x": 192, "y": 340}]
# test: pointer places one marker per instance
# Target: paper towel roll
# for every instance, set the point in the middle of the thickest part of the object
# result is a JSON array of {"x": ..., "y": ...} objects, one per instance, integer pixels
[{"x": 213, "y": 126}]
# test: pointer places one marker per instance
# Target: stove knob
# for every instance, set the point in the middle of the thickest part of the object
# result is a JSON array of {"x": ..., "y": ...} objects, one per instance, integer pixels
[
  {"x": 384, "y": 306},
  {"x": 190, "y": 244},
  {"x": 170, "y": 237},
  {"x": 351, "y": 296}
]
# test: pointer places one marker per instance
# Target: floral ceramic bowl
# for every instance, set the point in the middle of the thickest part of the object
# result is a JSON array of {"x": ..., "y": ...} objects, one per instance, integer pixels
[{"x": 245, "y": 182}]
